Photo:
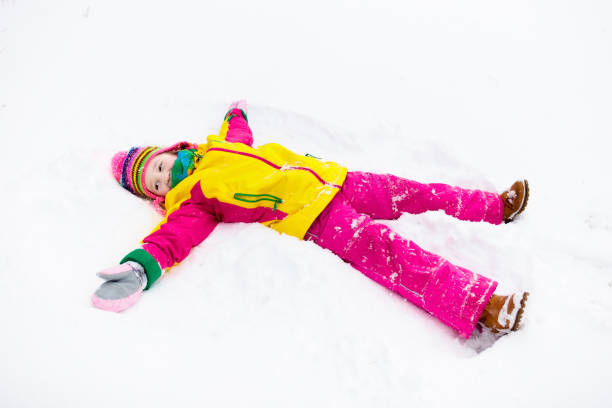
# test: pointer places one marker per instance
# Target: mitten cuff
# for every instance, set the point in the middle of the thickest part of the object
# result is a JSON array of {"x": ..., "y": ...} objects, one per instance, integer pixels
[
  {"x": 235, "y": 112},
  {"x": 150, "y": 265}
]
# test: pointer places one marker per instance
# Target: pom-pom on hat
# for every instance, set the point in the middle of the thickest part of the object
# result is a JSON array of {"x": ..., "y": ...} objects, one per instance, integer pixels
[{"x": 129, "y": 167}]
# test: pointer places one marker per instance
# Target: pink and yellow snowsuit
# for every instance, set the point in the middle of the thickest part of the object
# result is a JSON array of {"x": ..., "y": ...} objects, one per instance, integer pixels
[{"x": 319, "y": 201}]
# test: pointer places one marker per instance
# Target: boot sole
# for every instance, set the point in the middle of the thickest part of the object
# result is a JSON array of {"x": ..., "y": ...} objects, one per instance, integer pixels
[
  {"x": 523, "y": 205},
  {"x": 519, "y": 315}
]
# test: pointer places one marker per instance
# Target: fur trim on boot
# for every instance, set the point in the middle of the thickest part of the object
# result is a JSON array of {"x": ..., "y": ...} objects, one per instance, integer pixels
[{"x": 515, "y": 199}]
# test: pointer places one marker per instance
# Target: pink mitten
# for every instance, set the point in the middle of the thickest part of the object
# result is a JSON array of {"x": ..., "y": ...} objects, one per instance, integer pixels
[
  {"x": 123, "y": 287},
  {"x": 241, "y": 104}
]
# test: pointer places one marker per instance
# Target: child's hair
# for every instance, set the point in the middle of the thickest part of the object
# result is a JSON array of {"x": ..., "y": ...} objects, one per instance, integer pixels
[{"x": 129, "y": 168}]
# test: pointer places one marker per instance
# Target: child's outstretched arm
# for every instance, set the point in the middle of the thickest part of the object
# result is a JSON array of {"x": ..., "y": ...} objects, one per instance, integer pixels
[
  {"x": 238, "y": 130},
  {"x": 168, "y": 244}
]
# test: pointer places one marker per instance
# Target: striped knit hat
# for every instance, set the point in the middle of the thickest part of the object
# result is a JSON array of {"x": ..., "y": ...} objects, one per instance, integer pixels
[{"x": 129, "y": 167}]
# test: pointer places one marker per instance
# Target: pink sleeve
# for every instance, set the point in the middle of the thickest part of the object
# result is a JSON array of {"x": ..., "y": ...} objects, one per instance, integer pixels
[
  {"x": 182, "y": 230},
  {"x": 238, "y": 128}
]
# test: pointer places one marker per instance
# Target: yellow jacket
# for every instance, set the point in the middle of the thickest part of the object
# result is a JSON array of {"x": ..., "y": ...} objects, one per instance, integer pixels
[{"x": 235, "y": 182}]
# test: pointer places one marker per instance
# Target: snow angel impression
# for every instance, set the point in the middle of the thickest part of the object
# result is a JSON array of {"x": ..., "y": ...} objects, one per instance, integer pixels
[{"x": 226, "y": 179}]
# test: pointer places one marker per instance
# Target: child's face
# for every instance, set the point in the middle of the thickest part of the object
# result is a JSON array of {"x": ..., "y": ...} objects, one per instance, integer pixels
[{"x": 158, "y": 177}]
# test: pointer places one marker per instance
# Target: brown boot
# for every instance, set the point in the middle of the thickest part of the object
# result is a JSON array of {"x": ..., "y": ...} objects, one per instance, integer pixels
[
  {"x": 515, "y": 199},
  {"x": 503, "y": 313}
]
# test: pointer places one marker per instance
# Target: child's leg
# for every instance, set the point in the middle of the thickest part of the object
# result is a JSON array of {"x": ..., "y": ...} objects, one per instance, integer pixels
[
  {"x": 385, "y": 196},
  {"x": 454, "y": 295}
]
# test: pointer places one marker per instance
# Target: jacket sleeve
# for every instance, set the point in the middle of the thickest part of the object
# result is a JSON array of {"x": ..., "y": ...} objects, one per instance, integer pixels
[
  {"x": 237, "y": 125},
  {"x": 173, "y": 239}
]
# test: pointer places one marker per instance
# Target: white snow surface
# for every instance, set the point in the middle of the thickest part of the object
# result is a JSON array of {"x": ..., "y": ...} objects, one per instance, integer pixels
[{"x": 472, "y": 93}]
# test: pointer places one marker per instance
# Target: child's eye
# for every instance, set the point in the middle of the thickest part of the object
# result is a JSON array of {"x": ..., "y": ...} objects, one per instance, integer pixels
[{"x": 160, "y": 166}]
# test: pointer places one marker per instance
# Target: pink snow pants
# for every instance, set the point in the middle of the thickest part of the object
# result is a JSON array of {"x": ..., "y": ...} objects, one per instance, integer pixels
[{"x": 346, "y": 227}]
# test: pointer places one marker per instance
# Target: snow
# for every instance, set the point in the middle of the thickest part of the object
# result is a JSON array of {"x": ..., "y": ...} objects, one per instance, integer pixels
[{"x": 470, "y": 93}]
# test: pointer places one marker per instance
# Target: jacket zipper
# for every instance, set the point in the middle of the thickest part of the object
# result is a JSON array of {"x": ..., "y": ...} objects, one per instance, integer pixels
[
  {"x": 254, "y": 198},
  {"x": 269, "y": 163}
]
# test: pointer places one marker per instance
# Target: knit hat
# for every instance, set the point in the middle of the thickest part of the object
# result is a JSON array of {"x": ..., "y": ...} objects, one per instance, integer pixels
[{"x": 129, "y": 167}]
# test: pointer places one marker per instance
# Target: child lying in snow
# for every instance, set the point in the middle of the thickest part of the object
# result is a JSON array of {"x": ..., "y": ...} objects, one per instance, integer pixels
[{"x": 228, "y": 180}]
